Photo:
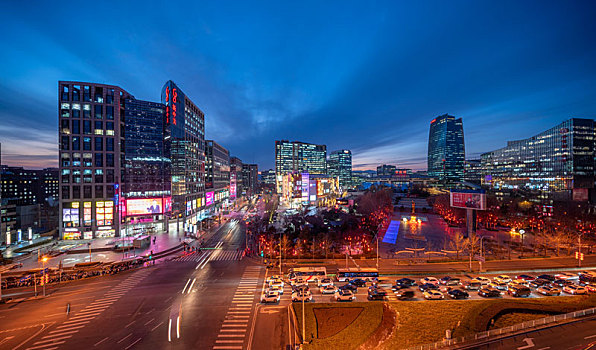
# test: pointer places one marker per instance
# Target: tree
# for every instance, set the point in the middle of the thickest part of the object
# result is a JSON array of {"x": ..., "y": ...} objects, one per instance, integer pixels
[
  {"x": 471, "y": 244},
  {"x": 285, "y": 243},
  {"x": 458, "y": 243}
]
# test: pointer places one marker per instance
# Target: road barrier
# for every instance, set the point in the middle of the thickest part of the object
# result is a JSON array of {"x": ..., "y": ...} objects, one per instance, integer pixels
[{"x": 473, "y": 339}]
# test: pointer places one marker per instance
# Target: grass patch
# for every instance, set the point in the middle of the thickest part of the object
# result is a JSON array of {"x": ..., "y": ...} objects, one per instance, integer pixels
[
  {"x": 331, "y": 321},
  {"x": 348, "y": 338},
  {"x": 509, "y": 319},
  {"x": 421, "y": 322}
]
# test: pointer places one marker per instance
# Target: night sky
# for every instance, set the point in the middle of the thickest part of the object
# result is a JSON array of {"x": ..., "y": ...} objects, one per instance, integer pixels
[{"x": 366, "y": 77}]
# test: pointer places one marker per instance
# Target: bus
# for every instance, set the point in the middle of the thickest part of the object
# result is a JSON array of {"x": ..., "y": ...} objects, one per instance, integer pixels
[
  {"x": 310, "y": 273},
  {"x": 351, "y": 273}
]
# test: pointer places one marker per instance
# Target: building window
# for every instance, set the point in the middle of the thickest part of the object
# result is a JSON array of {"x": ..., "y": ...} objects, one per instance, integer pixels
[
  {"x": 98, "y": 112},
  {"x": 109, "y": 159},
  {"x": 76, "y": 159},
  {"x": 110, "y": 175},
  {"x": 87, "y": 160},
  {"x": 87, "y": 127},
  {"x": 98, "y": 94},
  {"x": 110, "y": 144},
  {"x": 98, "y": 191},
  {"x": 65, "y": 113},
  {"x": 99, "y": 144},
  {"x": 98, "y": 160},
  {"x": 64, "y": 93},
  {"x": 65, "y": 126},
  {"x": 87, "y": 176},
  {"x": 76, "y": 143},
  {"x": 76, "y": 113},
  {"x": 86, "y": 144},
  {"x": 98, "y": 175},
  {"x": 65, "y": 143},
  {"x": 110, "y": 96},
  {"x": 87, "y": 192},
  {"x": 76, "y": 127},
  {"x": 76, "y": 192},
  {"x": 87, "y": 93},
  {"x": 110, "y": 192},
  {"x": 110, "y": 112},
  {"x": 65, "y": 159},
  {"x": 65, "y": 192},
  {"x": 76, "y": 92},
  {"x": 87, "y": 111}
]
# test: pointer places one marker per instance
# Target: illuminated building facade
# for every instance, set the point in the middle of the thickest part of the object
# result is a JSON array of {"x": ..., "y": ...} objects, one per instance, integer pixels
[
  {"x": 446, "y": 150},
  {"x": 298, "y": 156},
  {"x": 217, "y": 173},
  {"x": 558, "y": 160},
  {"x": 308, "y": 189},
  {"x": 340, "y": 165}
]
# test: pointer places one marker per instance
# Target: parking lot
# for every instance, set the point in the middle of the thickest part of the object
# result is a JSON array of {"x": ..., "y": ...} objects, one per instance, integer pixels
[{"x": 387, "y": 282}]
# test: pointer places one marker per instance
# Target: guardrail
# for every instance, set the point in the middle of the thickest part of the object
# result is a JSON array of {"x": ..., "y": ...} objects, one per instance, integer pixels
[{"x": 483, "y": 336}]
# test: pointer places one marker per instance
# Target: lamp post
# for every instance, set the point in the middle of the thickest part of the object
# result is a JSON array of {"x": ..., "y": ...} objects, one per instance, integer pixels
[
  {"x": 522, "y": 232},
  {"x": 43, "y": 262}
]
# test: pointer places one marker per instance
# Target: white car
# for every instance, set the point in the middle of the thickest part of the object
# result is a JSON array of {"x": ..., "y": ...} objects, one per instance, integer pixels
[
  {"x": 273, "y": 278},
  {"x": 270, "y": 297},
  {"x": 276, "y": 288},
  {"x": 301, "y": 295},
  {"x": 566, "y": 276},
  {"x": 299, "y": 281},
  {"x": 432, "y": 294},
  {"x": 277, "y": 283},
  {"x": 591, "y": 287},
  {"x": 328, "y": 289},
  {"x": 344, "y": 295},
  {"x": 324, "y": 282},
  {"x": 573, "y": 289},
  {"x": 482, "y": 280},
  {"x": 431, "y": 280},
  {"x": 502, "y": 278},
  {"x": 520, "y": 281},
  {"x": 498, "y": 285}
]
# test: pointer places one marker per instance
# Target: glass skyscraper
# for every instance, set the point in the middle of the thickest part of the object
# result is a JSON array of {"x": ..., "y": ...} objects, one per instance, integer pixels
[
  {"x": 340, "y": 166},
  {"x": 446, "y": 150},
  {"x": 558, "y": 159},
  {"x": 298, "y": 156}
]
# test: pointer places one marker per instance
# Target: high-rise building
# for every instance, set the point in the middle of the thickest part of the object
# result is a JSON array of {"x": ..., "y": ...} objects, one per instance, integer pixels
[
  {"x": 558, "y": 160},
  {"x": 250, "y": 181},
  {"x": 298, "y": 156},
  {"x": 217, "y": 174},
  {"x": 473, "y": 171},
  {"x": 90, "y": 158},
  {"x": 236, "y": 184},
  {"x": 268, "y": 177},
  {"x": 446, "y": 150},
  {"x": 340, "y": 165},
  {"x": 29, "y": 187},
  {"x": 386, "y": 170},
  {"x": 185, "y": 146}
]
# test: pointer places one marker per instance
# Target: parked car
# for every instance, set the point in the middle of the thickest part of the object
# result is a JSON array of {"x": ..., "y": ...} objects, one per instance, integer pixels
[
  {"x": 324, "y": 282},
  {"x": 591, "y": 287},
  {"x": 377, "y": 294},
  {"x": 344, "y": 295},
  {"x": 586, "y": 279},
  {"x": 358, "y": 282},
  {"x": 352, "y": 288},
  {"x": 489, "y": 292},
  {"x": 519, "y": 291},
  {"x": 482, "y": 280},
  {"x": 520, "y": 281},
  {"x": 566, "y": 276},
  {"x": 574, "y": 289},
  {"x": 450, "y": 281},
  {"x": 525, "y": 277},
  {"x": 458, "y": 294},
  {"x": 270, "y": 297},
  {"x": 273, "y": 278},
  {"x": 403, "y": 294},
  {"x": 502, "y": 278},
  {"x": 547, "y": 277},
  {"x": 408, "y": 282},
  {"x": 539, "y": 282},
  {"x": 498, "y": 285},
  {"x": 301, "y": 295},
  {"x": 428, "y": 286},
  {"x": 433, "y": 295},
  {"x": 276, "y": 288},
  {"x": 431, "y": 280},
  {"x": 472, "y": 285},
  {"x": 561, "y": 283},
  {"x": 548, "y": 290},
  {"x": 328, "y": 289}
]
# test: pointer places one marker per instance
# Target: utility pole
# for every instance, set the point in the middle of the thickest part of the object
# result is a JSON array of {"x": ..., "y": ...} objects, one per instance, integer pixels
[
  {"x": 579, "y": 249},
  {"x": 377, "y": 251},
  {"x": 303, "y": 324}
]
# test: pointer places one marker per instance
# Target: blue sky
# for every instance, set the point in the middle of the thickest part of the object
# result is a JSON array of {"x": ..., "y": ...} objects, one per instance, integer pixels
[{"x": 366, "y": 76}]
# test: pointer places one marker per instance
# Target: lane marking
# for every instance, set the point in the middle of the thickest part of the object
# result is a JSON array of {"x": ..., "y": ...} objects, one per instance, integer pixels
[
  {"x": 101, "y": 341},
  {"x": 131, "y": 345},
  {"x": 231, "y": 335},
  {"x": 151, "y": 320},
  {"x": 121, "y": 340},
  {"x": 154, "y": 328},
  {"x": 590, "y": 336},
  {"x": 45, "y": 346},
  {"x": 186, "y": 285}
]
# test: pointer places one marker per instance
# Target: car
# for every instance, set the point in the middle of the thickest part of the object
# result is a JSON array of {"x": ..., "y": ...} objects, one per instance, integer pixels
[
  {"x": 303, "y": 287},
  {"x": 270, "y": 297},
  {"x": 302, "y": 295},
  {"x": 349, "y": 287},
  {"x": 586, "y": 279},
  {"x": 548, "y": 290},
  {"x": 520, "y": 281},
  {"x": 574, "y": 289},
  {"x": 566, "y": 276},
  {"x": 358, "y": 282},
  {"x": 561, "y": 283},
  {"x": 445, "y": 289},
  {"x": 450, "y": 281},
  {"x": 278, "y": 283},
  {"x": 489, "y": 292},
  {"x": 324, "y": 282},
  {"x": 498, "y": 285},
  {"x": 458, "y": 294},
  {"x": 377, "y": 294},
  {"x": 273, "y": 278},
  {"x": 472, "y": 285},
  {"x": 433, "y": 295},
  {"x": 482, "y": 280},
  {"x": 525, "y": 277},
  {"x": 428, "y": 286},
  {"x": 403, "y": 294},
  {"x": 519, "y": 291},
  {"x": 547, "y": 277},
  {"x": 588, "y": 273},
  {"x": 276, "y": 288},
  {"x": 408, "y": 282},
  {"x": 591, "y": 287},
  {"x": 431, "y": 280},
  {"x": 328, "y": 289},
  {"x": 398, "y": 287},
  {"x": 344, "y": 295},
  {"x": 299, "y": 281},
  {"x": 539, "y": 282},
  {"x": 502, "y": 278}
]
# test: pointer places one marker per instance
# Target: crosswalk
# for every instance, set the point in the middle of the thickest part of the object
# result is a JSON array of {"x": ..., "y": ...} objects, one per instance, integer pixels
[
  {"x": 76, "y": 322},
  {"x": 214, "y": 254},
  {"x": 234, "y": 329}
]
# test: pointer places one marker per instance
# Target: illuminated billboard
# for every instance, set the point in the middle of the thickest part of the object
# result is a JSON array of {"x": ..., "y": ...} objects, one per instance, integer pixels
[
  {"x": 468, "y": 199},
  {"x": 232, "y": 185},
  {"x": 147, "y": 206},
  {"x": 70, "y": 217},
  {"x": 209, "y": 198}
]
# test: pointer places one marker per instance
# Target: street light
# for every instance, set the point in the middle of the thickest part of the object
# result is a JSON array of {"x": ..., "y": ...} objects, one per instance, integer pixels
[
  {"x": 43, "y": 262},
  {"x": 521, "y": 232}
]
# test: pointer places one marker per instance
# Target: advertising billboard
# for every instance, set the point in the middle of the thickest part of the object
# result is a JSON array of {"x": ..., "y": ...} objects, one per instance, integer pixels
[
  {"x": 468, "y": 199},
  {"x": 70, "y": 217},
  {"x": 232, "y": 185},
  {"x": 209, "y": 198},
  {"x": 146, "y": 206},
  {"x": 305, "y": 186}
]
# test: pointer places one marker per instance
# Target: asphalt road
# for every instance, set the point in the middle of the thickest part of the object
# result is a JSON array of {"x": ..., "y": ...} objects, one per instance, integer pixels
[{"x": 204, "y": 300}]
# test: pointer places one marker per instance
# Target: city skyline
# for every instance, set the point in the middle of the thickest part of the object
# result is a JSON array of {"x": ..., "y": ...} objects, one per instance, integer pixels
[{"x": 300, "y": 83}]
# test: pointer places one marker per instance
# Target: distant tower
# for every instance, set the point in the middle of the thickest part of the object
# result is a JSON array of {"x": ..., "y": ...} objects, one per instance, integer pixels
[{"x": 446, "y": 150}]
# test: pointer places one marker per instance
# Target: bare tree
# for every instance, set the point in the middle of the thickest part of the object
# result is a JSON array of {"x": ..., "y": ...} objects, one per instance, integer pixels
[
  {"x": 458, "y": 243},
  {"x": 285, "y": 243}
]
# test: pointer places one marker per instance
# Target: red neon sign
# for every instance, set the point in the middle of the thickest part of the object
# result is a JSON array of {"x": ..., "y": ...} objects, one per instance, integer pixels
[{"x": 174, "y": 100}]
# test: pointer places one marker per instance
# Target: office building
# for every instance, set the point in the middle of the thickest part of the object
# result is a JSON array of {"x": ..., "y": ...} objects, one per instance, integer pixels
[
  {"x": 298, "y": 156},
  {"x": 250, "y": 180},
  {"x": 386, "y": 170},
  {"x": 558, "y": 161},
  {"x": 340, "y": 165},
  {"x": 303, "y": 189},
  {"x": 185, "y": 146},
  {"x": 268, "y": 177},
  {"x": 473, "y": 171},
  {"x": 446, "y": 151},
  {"x": 236, "y": 184},
  {"x": 217, "y": 176}
]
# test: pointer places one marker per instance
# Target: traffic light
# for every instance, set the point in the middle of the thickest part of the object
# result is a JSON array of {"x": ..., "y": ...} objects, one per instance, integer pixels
[
  {"x": 581, "y": 256},
  {"x": 48, "y": 277},
  {"x": 577, "y": 255},
  {"x": 262, "y": 253}
]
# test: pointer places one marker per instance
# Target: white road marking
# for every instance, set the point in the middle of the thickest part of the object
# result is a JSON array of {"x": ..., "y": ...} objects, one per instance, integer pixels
[
  {"x": 101, "y": 341},
  {"x": 590, "y": 336}
]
